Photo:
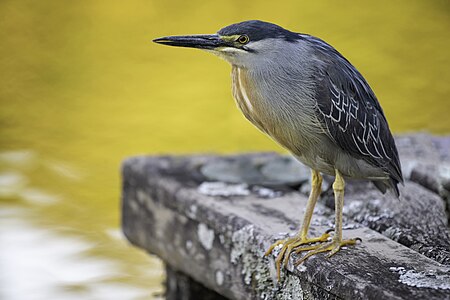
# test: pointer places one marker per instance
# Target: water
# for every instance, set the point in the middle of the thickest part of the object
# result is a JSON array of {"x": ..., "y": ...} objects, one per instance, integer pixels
[{"x": 82, "y": 87}]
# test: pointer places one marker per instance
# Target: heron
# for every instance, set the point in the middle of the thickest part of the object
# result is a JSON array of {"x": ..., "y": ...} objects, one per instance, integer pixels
[{"x": 311, "y": 100}]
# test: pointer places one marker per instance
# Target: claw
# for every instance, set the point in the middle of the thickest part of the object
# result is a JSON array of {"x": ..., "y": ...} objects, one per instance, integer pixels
[
  {"x": 329, "y": 230},
  {"x": 289, "y": 245},
  {"x": 333, "y": 247}
]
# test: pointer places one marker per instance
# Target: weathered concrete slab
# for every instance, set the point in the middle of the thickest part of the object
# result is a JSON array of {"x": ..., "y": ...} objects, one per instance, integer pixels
[
  {"x": 426, "y": 161},
  {"x": 181, "y": 209},
  {"x": 416, "y": 220}
]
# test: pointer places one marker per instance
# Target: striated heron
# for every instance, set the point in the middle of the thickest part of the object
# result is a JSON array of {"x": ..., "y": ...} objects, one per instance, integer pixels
[{"x": 311, "y": 100}]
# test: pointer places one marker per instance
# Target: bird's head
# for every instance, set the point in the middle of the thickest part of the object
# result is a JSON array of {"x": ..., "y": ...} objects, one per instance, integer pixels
[{"x": 241, "y": 44}]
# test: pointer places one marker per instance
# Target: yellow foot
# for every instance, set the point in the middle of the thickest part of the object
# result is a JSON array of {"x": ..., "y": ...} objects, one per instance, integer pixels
[
  {"x": 333, "y": 247},
  {"x": 289, "y": 245}
]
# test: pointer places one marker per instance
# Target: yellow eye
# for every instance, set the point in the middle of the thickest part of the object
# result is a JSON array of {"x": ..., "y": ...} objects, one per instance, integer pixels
[{"x": 243, "y": 39}]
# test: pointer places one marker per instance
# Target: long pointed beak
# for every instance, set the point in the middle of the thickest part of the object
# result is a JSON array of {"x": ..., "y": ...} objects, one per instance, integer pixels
[{"x": 205, "y": 41}]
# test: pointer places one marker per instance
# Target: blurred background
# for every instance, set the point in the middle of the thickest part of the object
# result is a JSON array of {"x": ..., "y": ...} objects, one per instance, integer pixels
[{"x": 82, "y": 87}]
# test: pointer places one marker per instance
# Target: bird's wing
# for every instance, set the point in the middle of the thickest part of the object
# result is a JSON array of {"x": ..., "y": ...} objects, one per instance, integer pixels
[{"x": 352, "y": 116}]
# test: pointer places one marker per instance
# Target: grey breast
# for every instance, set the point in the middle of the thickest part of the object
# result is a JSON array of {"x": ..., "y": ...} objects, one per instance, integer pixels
[{"x": 288, "y": 120}]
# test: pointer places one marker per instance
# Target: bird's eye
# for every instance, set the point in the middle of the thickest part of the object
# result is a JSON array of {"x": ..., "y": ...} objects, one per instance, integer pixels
[{"x": 243, "y": 39}]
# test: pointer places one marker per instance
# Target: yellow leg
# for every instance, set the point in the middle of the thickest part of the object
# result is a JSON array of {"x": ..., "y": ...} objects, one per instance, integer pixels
[
  {"x": 301, "y": 238},
  {"x": 337, "y": 242},
  {"x": 316, "y": 189}
]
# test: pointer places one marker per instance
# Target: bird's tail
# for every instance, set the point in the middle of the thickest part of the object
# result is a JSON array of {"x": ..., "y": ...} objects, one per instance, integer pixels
[{"x": 388, "y": 184}]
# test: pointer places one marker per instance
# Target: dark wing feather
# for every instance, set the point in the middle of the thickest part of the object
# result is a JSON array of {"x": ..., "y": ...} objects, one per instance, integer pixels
[{"x": 350, "y": 111}]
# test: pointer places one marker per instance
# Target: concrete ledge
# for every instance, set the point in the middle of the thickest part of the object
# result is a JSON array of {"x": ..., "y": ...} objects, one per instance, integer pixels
[{"x": 212, "y": 217}]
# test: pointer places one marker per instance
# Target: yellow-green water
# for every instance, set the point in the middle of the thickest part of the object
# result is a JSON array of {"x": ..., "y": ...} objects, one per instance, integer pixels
[{"x": 82, "y": 87}]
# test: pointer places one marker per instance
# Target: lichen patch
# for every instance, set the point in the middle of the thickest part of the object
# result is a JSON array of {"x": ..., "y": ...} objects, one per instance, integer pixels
[
  {"x": 205, "y": 236},
  {"x": 223, "y": 189},
  {"x": 434, "y": 279}
]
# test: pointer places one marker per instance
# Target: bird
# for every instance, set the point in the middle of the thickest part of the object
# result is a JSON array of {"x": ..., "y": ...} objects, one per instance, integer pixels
[{"x": 306, "y": 96}]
